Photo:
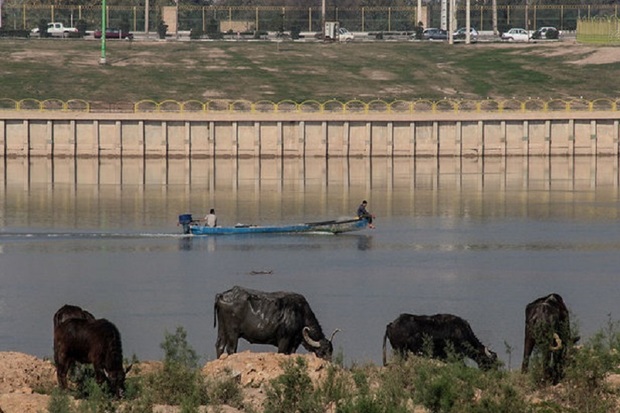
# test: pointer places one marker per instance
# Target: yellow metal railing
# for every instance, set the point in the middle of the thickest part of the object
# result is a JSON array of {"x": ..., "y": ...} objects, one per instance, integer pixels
[{"x": 315, "y": 106}]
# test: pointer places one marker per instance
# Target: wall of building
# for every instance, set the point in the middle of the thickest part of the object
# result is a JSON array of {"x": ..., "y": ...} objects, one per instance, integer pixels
[{"x": 178, "y": 135}]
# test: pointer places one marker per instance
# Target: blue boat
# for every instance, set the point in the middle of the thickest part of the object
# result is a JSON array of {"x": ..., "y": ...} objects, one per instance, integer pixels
[{"x": 337, "y": 226}]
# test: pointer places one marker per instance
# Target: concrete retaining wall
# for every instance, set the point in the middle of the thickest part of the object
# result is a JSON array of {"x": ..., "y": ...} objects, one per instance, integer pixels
[{"x": 76, "y": 134}]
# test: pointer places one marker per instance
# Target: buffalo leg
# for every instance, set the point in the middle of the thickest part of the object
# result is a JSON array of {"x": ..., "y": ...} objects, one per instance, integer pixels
[
  {"x": 284, "y": 346},
  {"x": 220, "y": 346},
  {"x": 528, "y": 347},
  {"x": 62, "y": 370}
]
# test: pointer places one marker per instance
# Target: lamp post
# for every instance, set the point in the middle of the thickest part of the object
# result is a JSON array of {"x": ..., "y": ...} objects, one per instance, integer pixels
[
  {"x": 146, "y": 18},
  {"x": 103, "y": 30}
]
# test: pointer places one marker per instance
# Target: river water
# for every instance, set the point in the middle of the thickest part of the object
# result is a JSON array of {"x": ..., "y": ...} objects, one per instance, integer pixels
[{"x": 477, "y": 238}]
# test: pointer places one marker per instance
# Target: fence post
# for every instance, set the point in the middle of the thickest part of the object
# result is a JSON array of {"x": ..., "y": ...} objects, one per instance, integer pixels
[
  {"x": 256, "y": 19},
  {"x": 309, "y": 19},
  {"x": 389, "y": 19},
  {"x": 363, "y": 10}
]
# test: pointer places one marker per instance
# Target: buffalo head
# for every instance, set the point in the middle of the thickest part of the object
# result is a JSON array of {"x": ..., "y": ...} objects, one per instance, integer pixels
[{"x": 323, "y": 347}]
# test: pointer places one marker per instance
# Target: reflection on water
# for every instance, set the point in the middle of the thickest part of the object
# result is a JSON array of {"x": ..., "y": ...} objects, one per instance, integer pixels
[
  {"x": 475, "y": 237},
  {"x": 85, "y": 193}
]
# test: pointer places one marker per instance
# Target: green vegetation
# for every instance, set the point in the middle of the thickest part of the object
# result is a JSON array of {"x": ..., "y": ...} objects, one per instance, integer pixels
[
  {"x": 198, "y": 70},
  {"x": 452, "y": 387}
]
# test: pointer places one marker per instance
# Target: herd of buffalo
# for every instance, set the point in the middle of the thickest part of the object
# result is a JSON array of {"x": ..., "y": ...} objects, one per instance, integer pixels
[{"x": 285, "y": 320}]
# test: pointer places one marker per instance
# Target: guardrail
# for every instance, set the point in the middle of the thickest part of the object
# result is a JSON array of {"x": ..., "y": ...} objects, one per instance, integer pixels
[{"x": 315, "y": 106}]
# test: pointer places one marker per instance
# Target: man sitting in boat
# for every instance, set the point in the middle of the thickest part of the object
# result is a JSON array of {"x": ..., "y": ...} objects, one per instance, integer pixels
[
  {"x": 210, "y": 219},
  {"x": 362, "y": 213}
]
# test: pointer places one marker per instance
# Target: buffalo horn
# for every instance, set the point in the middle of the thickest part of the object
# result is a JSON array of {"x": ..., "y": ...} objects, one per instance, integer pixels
[
  {"x": 557, "y": 341},
  {"x": 333, "y": 334},
  {"x": 310, "y": 341},
  {"x": 487, "y": 352}
]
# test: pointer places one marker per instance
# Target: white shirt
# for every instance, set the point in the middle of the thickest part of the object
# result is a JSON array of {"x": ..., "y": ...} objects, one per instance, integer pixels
[{"x": 211, "y": 220}]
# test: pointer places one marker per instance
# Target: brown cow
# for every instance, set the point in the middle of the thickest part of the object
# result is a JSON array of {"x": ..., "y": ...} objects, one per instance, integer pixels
[{"x": 97, "y": 342}]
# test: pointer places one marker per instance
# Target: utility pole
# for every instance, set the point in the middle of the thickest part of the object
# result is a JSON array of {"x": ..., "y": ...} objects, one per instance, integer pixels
[
  {"x": 146, "y": 18},
  {"x": 103, "y": 30}
]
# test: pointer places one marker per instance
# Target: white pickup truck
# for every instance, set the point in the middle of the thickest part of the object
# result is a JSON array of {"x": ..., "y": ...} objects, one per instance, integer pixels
[{"x": 57, "y": 29}]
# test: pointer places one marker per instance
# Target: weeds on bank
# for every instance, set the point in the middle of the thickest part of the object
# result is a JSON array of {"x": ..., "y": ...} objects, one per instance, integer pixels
[{"x": 403, "y": 386}]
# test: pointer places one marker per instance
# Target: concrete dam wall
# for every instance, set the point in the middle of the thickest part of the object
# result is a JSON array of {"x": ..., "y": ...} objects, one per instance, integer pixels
[{"x": 298, "y": 135}]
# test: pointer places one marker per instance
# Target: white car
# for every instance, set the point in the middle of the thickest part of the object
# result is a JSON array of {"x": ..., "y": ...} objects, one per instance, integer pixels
[
  {"x": 344, "y": 35},
  {"x": 516, "y": 35},
  {"x": 462, "y": 33}
]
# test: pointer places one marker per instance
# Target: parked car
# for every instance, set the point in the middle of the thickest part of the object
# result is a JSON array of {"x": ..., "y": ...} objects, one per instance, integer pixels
[
  {"x": 113, "y": 33},
  {"x": 516, "y": 35},
  {"x": 57, "y": 29},
  {"x": 434, "y": 34},
  {"x": 344, "y": 35},
  {"x": 547, "y": 32},
  {"x": 460, "y": 34}
]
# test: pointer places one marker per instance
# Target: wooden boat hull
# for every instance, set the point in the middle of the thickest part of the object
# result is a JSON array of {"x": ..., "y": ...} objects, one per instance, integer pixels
[{"x": 326, "y": 227}]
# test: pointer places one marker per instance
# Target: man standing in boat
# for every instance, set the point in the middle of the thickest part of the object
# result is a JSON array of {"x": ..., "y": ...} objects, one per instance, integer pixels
[
  {"x": 362, "y": 213},
  {"x": 211, "y": 219}
]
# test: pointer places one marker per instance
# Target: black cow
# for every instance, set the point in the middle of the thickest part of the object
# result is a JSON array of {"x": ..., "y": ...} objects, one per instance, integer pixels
[
  {"x": 68, "y": 311},
  {"x": 281, "y": 319},
  {"x": 547, "y": 329},
  {"x": 439, "y": 334},
  {"x": 97, "y": 342}
]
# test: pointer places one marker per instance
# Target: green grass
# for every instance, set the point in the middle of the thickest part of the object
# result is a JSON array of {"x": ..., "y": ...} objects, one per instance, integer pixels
[{"x": 70, "y": 69}]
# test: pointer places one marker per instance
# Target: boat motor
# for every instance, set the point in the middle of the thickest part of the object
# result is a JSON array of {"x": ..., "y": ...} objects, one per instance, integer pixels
[{"x": 185, "y": 220}]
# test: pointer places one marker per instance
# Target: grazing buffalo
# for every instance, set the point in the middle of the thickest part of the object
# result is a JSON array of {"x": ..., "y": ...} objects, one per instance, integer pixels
[
  {"x": 281, "y": 319},
  {"x": 97, "y": 342},
  {"x": 68, "y": 311},
  {"x": 547, "y": 329},
  {"x": 439, "y": 334}
]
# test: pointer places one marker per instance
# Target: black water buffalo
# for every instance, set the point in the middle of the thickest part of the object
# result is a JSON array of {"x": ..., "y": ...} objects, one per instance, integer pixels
[
  {"x": 97, "y": 342},
  {"x": 547, "y": 329},
  {"x": 68, "y": 311},
  {"x": 439, "y": 334},
  {"x": 281, "y": 319}
]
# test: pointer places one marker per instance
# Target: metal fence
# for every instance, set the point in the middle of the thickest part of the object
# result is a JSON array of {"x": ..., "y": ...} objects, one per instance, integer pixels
[
  {"x": 275, "y": 18},
  {"x": 599, "y": 30},
  {"x": 314, "y": 106}
]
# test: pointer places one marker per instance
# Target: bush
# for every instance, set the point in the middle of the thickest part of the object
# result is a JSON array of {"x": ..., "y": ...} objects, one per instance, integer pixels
[
  {"x": 81, "y": 26},
  {"x": 14, "y": 33},
  {"x": 43, "y": 28},
  {"x": 292, "y": 391},
  {"x": 180, "y": 381},
  {"x": 162, "y": 28},
  {"x": 196, "y": 33}
]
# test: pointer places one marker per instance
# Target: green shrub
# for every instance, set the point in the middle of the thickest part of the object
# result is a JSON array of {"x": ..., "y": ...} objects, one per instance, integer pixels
[
  {"x": 162, "y": 28},
  {"x": 589, "y": 366},
  {"x": 196, "y": 33},
  {"x": 43, "y": 28},
  {"x": 59, "y": 402},
  {"x": 81, "y": 25},
  {"x": 225, "y": 390},
  {"x": 292, "y": 391},
  {"x": 180, "y": 381}
]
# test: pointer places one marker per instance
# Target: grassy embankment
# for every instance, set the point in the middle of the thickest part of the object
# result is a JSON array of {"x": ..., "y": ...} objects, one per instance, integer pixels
[
  {"x": 69, "y": 69},
  {"x": 405, "y": 386}
]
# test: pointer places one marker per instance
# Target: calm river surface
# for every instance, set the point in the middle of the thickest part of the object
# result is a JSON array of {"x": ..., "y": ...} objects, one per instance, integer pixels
[{"x": 477, "y": 238}]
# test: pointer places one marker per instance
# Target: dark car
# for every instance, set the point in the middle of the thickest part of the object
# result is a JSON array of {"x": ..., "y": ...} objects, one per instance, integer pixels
[
  {"x": 435, "y": 34},
  {"x": 113, "y": 33},
  {"x": 546, "y": 32}
]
